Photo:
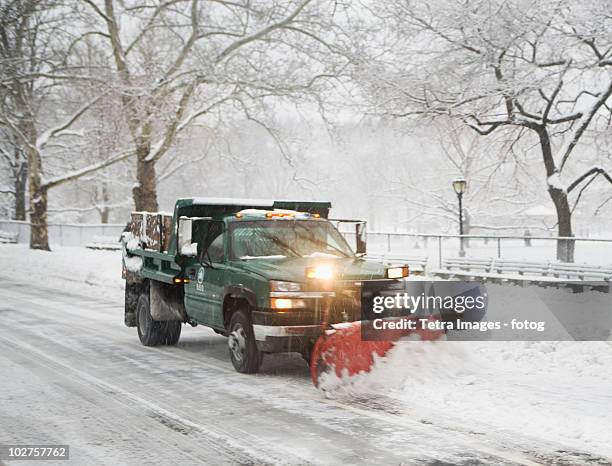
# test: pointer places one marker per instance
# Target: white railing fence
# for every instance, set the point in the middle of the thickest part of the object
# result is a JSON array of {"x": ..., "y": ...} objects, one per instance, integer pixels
[
  {"x": 438, "y": 247},
  {"x": 434, "y": 247},
  {"x": 64, "y": 234}
]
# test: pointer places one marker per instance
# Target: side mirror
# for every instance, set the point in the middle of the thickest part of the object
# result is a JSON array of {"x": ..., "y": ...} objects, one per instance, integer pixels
[
  {"x": 185, "y": 246},
  {"x": 360, "y": 238}
]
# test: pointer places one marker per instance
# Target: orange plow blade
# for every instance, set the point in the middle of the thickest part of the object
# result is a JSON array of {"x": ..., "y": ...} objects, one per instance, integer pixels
[{"x": 344, "y": 352}]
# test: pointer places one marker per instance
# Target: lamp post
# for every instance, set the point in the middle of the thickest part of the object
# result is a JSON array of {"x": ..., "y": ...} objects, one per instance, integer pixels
[{"x": 459, "y": 186}]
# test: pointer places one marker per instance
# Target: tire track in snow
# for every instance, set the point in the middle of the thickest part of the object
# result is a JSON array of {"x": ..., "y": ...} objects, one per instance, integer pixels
[
  {"x": 114, "y": 418},
  {"x": 224, "y": 445}
]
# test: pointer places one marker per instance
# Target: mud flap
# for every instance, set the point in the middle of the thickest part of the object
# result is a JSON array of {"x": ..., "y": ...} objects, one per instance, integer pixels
[{"x": 166, "y": 302}]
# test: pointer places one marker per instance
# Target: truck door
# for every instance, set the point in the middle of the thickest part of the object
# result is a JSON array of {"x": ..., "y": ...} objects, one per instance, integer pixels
[{"x": 206, "y": 287}]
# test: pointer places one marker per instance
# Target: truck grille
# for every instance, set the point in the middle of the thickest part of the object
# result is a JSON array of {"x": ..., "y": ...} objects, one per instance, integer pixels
[{"x": 346, "y": 306}]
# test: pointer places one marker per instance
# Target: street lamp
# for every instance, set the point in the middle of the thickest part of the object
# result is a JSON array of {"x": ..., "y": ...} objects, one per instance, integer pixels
[{"x": 459, "y": 186}]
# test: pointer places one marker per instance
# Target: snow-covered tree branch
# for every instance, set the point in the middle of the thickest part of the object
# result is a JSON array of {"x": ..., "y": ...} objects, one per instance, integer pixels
[{"x": 540, "y": 68}]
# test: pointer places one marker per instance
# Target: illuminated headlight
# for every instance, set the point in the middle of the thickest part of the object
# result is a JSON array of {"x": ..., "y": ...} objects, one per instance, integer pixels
[
  {"x": 276, "y": 285},
  {"x": 397, "y": 272},
  {"x": 320, "y": 272},
  {"x": 287, "y": 303}
]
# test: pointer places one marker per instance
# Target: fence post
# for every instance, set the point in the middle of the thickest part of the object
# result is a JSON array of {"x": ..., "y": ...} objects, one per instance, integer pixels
[
  {"x": 439, "y": 252},
  {"x": 388, "y": 242},
  {"x": 499, "y": 248}
]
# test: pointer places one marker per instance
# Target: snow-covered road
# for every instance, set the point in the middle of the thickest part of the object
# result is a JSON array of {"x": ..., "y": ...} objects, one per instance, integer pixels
[{"x": 73, "y": 374}]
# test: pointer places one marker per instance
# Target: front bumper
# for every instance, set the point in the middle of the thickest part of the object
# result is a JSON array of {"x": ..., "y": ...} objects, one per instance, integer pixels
[
  {"x": 286, "y": 338},
  {"x": 278, "y": 332},
  {"x": 298, "y": 329}
]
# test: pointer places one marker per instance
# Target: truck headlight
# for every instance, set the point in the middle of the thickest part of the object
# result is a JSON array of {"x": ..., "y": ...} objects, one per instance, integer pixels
[
  {"x": 277, "y": 285},
  {"x": 397, "y": 272},
  {"x": 320, "y": 272},
  {"x": 287, "y": 303}
]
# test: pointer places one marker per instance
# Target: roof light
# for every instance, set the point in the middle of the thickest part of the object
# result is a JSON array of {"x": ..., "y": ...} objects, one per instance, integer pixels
[
  {"x": 279, "y": 214},
  {"x": 238, "y": 215},
  {"x": 397, "y": 272}
]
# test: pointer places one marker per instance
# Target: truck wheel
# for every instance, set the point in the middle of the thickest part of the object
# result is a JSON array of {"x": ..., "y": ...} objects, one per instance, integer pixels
[
  {"x": 149, "y": 331},
  {"x": 245, "y": 356},
  {"x": 171, "y": 332}
]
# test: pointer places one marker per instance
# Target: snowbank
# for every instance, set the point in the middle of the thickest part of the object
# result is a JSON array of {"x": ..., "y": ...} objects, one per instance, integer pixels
[
  {"x": 66, "y": 268},
  {"x": 555, "y": 391}
]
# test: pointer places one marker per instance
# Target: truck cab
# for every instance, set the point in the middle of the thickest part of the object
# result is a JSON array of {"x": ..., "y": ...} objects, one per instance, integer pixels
[{"x": 269, "y": 275}]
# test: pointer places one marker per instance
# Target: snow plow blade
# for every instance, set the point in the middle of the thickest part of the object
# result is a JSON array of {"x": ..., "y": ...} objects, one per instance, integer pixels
[{"x": 343, "y": 352}]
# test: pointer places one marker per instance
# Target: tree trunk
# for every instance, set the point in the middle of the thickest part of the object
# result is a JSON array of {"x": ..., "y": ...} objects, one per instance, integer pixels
[
  {"x": 39, "y": 236},
  {"x": 565, "y": 248},
  {"x": 145, "y": 191},
  {"x": 105, "y": 211},
  {"x": 20, "y": 193}
]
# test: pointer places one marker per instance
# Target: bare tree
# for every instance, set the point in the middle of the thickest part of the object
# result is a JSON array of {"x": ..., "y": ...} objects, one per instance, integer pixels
[
  {"x": 104, "y": 190},
  {"x": 35, "y": 70},
  {"x": 495, "y": 190},
  {"x": 538, "y": 72},
  {"x": 178, "y": 61}
]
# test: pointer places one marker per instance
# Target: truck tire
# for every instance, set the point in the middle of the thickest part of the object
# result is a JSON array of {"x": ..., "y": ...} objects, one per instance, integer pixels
[
  {"x": 244, "y": 354},
  {"x": 171, "y": 332},
  {"x": 149, "y": 331}
]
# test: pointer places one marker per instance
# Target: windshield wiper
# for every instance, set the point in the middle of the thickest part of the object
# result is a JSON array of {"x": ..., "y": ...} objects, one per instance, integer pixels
[
  {"x": 314, "y": 240},
  {"x": 280, "y": 243}
]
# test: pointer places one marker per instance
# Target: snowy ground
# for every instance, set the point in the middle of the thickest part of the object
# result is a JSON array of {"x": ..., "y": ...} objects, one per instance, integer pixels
[
  {"x": 82, "y": 270},
  {"x": 72, "y": 373},
  {"x": 557, "y": 391}
]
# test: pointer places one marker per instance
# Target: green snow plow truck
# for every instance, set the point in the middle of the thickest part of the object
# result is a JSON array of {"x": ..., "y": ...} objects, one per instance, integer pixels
[{"x": 269, "y": 275}]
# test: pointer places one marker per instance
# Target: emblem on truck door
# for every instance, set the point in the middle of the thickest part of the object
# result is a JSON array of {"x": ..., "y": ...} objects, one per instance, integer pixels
[{"x": 200, "y": 283}]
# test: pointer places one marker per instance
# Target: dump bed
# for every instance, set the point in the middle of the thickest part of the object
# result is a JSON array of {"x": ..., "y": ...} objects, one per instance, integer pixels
[
  {"x": 146, "y": 247},
  {"x": 152, "y": 230}
]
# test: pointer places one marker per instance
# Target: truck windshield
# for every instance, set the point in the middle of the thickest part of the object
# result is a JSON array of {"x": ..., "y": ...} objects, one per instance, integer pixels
[{"x": 286, "y": 238}]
